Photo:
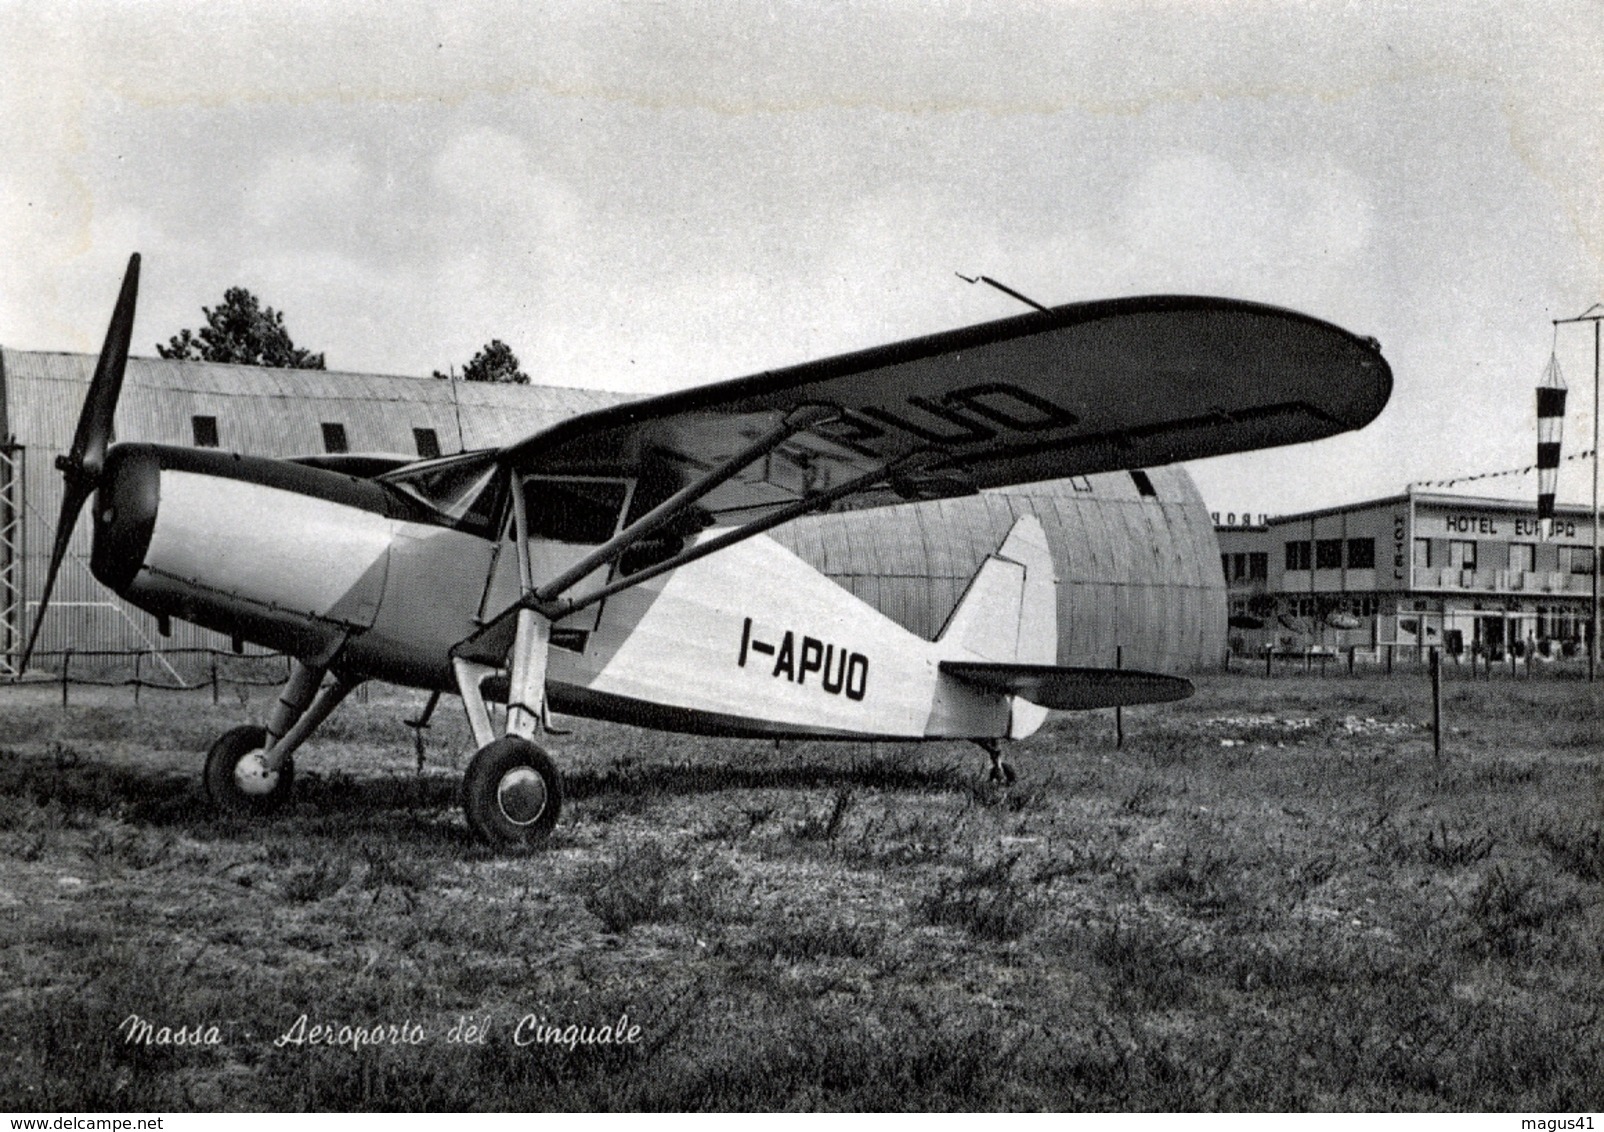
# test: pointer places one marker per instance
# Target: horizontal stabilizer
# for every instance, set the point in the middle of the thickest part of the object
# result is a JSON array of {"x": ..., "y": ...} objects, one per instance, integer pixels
[{"x": 1070, "y": 689}]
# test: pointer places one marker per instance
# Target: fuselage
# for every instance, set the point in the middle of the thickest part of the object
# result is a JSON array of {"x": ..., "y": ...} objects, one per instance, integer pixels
[{"x": 381, "y": 583}]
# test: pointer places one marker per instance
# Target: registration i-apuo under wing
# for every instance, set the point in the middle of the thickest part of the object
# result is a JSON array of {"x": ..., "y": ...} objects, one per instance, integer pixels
[{"x": 1073, "y": 390}]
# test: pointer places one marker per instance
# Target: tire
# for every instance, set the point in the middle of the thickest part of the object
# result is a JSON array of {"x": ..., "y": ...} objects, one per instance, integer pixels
[
  {"x": 512, "y": 794},
  {"x": 233, "y": 794}
]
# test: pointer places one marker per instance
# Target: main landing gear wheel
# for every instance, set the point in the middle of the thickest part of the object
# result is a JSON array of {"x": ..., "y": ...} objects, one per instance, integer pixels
[
  {"x": 512, "y": 794},
  {"x": 236, "y": 781}
]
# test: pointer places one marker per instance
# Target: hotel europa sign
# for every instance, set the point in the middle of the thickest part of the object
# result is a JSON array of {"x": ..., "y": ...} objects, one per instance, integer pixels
[{"x": 1511, "y": 526}]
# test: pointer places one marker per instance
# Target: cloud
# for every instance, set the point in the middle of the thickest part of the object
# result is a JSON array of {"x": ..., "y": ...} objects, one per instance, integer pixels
[
  {"x": 492, "y": 184},
  {"x": 1193, "y": 214},
  {"x": 291, "y": 187}
]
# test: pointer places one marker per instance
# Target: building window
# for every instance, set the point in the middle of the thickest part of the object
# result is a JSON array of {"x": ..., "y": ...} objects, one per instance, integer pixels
[
  {"x": 1328, "y": 554},
  {"x": 1298, "y": 555},
  {"x": 1225, "y": 566},
  {"x": 1423, "y": 552},
  {"x": 1360, "y": 605},
  {"x": 205, "y": 430},
  {"x": 1462, "y": 554},
  {"x": 1523, "y": 557},
  {"x": 1258, "y": 565},
  {"x": 1144, "y": 485},
  {"x": 1361, "y": 554},
  {"x": 427, "y": 442},
  {"x": 334, "y": 437},
  {"x": 1576, "y": 559},
  {"x": 1239, "y": 566}
]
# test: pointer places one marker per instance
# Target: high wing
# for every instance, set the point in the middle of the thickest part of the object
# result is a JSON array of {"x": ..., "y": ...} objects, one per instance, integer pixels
[{"x": 1083, "y": 388}]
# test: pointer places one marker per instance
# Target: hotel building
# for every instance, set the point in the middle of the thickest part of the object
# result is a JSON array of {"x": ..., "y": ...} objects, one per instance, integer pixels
[{"x": 1467, "y": 574}]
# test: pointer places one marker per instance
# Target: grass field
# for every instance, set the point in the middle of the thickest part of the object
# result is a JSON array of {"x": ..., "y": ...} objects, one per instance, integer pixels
[{"x": 1272, "y": 898}]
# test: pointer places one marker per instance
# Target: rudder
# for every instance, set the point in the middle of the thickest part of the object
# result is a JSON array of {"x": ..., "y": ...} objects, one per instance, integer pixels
[{"x": 1009, "y": 613}]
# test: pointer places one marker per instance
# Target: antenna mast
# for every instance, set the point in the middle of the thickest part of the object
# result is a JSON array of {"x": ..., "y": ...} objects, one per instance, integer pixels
[{"x": 456, "y": 405}]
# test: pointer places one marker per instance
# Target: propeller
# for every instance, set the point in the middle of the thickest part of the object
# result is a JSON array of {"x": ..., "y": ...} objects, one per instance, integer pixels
[{"x": 83, "y": 463}]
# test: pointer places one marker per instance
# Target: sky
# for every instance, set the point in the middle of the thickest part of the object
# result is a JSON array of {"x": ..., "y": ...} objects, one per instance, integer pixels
[{"x": 647, "y": 196}]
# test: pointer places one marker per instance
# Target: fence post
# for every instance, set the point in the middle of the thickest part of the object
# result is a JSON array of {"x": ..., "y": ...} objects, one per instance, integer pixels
[
  {"x": 66, "y": 663},
  {"x": 1391, "y": 648},
  {"x": 1351, "y": 650},
  {"x": 138, "y": 657},
  {"x": 1269, "y": 655},
  {"x": 214, "y": 679},
  {"x": 1436, "y": 704},
  {"x": 1119, "y": 715}
]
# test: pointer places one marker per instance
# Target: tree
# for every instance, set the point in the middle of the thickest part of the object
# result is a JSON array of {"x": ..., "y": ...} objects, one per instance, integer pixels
[
  {"x": 241, "y": 331},
  {"x": 496, "y": 362}
]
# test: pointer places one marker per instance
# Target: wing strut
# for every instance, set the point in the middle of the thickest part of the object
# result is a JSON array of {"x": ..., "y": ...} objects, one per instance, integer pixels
[
  {"x": 557, "y": 610},
  {"x": 671, "y": 508},
  {"x": 489, "y": 645}
]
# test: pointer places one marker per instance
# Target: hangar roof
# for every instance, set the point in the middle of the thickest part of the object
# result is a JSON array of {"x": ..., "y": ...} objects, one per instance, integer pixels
[{"x": 276, "y": 412}]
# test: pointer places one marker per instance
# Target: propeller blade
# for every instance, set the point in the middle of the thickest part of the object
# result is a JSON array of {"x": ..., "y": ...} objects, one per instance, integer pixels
[
  {"x": 93, "y": 435},
  {"x": 82, "y": 464}
]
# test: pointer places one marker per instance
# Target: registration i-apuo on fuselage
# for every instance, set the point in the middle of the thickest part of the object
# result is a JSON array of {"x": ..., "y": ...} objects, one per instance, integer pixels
[{"x": 616, "y": 565}]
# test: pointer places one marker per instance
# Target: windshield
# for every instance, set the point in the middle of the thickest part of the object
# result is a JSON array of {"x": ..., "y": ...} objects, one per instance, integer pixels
[{"x": 464, "y": 490}]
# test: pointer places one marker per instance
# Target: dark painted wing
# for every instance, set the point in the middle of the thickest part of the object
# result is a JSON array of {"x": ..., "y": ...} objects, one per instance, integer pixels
[
  {"x": 1085, "y": 388},
  {"x": 1071, "y": 689}
]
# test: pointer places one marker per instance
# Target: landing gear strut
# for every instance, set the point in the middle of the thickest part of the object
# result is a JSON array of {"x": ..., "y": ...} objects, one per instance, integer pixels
[
  {"x": 250, "y": 770},
  {"x": 512, "y": 793},
  {"x": 1001, "y": 772}
]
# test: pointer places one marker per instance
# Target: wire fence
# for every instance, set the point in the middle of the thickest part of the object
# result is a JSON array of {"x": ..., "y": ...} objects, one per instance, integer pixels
[
  {"x": 160, "y": 670},
  {"x": 1390, "y": 659}
]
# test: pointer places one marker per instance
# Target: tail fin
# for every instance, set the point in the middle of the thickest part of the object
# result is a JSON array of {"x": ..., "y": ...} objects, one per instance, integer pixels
[{"x": 1009, "y": 613}]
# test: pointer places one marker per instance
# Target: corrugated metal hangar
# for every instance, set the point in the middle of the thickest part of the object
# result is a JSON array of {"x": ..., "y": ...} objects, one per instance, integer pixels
[{"x": 1136, "y": 552}]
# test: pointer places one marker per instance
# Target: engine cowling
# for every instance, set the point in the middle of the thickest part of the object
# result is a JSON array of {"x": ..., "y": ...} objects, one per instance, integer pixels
[{"x": 292, "y": 557}]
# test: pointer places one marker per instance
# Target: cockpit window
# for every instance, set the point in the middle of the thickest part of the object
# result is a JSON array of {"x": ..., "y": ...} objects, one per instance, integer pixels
[
  {"x": 463, "y": 490},
  {"x": 579, "y": 510}
]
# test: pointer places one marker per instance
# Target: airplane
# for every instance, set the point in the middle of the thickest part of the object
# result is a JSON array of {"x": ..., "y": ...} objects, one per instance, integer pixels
[{"x": 616, "y": 565}]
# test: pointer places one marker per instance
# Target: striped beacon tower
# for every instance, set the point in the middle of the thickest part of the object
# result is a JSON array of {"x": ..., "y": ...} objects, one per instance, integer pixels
[{"x": 1550, "y": 424}]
